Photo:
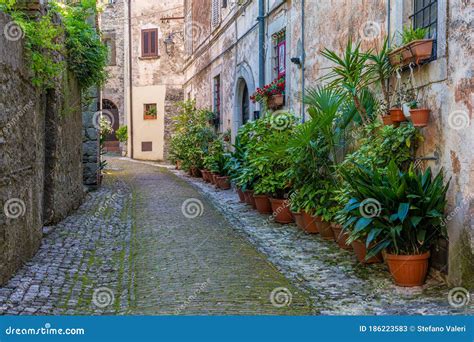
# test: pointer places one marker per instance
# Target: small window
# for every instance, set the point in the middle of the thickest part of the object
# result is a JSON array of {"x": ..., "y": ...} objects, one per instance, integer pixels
[
  {"x": 216, "y": 13},
  {"x": 279, "y": 55},
  {"x": 217, "y": 101},
  {"x": 147, "y": 146},
  {"x": 150, "y": 43},
  {"x": 150, "y": 111},
  {"x": 425, "y": 15},
  {"x": 111, "y": 52}
]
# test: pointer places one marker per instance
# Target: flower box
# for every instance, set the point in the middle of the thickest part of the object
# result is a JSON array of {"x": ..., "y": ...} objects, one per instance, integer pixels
[
  {"x": 414, "y": 52},
  {"x": 276, "y": 101}
]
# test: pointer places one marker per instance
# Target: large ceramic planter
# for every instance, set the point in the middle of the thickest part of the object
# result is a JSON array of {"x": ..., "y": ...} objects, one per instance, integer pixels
[
  {"x": 281, "y": 210},
  {"x": 324, "y": 229},
  {"x": 223, "y": 182},
  {"x": 249, "y": 198},
  {"x": 420, "y": 116},
  {"x": 241, "y": 195},
  {"x": 309, "y": 222},
  {"x": 341, "y": 236},
  {"x": 408, "y": 270},
  {"x": 263, "y": 204},
  {"x": 276, "y": 101},
  {"x": 298, "y": 218},
  {"x": 396, "y": 114},
  {"x": 361, "y": 252}
]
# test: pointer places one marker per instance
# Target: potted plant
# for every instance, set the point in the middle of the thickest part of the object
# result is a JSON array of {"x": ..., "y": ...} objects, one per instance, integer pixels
[
  {"x": 415, "y": 47},
  {"x": 324, "y": 212},
  {"x": 409, "y": 220},
  {"x": 419, "y": 116},
  {"x": 122, "y": 137},
  {"x": 271, "y": 95},
  {"x": 150, "y": 113}
]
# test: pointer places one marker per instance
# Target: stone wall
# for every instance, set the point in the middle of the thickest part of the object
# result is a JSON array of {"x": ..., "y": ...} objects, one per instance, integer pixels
[
  {"x": 172, "y": 98},
  {"x": 40, "y": 155}
]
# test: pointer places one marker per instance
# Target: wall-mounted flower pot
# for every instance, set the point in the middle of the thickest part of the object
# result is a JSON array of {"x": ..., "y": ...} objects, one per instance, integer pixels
[
  {"x": 241, "y": 195},
  {"x": 298, "y": 218},
  {"x": 309, "y": 223},
  {"x": 324, "y": 229},
  {"x": 223, "y": 182},
  {"x": 361, "y": 252},
  {"x": 396, "y": 114},
  {"x": 420, "y": 117},
  {"x": 276, "y": 101},
  {"x": 263, "y": 204},
  {"x": 387, "y": 120},
  {"x": 281, "y": 210},
  {"x": 408, "y": 270},
  {"x": 415, "y": 51},
  {"x": 149, "y": 117},
  {"x": 340, "y": 235}
]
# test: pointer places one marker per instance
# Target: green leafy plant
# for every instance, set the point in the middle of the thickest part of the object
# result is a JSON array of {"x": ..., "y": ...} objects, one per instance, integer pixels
[
  {"x": 122, "y": 134},
  {"x": 410, "y": 34},
  {"x": 409, "y": 209}
]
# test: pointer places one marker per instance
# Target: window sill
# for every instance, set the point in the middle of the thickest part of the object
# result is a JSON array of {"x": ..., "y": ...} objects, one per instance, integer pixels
[{"x": 148, "y": 57}]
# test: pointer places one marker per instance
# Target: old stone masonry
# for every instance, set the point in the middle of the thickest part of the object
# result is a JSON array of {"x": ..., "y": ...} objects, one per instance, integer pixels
[{"x": 153, "y": 241}]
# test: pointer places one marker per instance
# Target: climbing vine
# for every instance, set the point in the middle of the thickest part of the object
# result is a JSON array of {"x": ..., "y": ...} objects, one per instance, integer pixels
[{"x": 63, "y": 31}]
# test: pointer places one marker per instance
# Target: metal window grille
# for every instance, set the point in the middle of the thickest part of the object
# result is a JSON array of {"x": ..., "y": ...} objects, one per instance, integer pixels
[{"x": 425, "y": 15}]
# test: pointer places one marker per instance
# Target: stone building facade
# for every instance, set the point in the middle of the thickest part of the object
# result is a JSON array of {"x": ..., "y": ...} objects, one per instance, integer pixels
[
  {"x": 145, "y": 72},
  {"x": 222, "y": 69}
]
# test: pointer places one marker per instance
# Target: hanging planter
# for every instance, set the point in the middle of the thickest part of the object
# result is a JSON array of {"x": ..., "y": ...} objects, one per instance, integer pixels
[
  {"x": 387, "y": 120},
  {"x": 272, "y": 95},
  {"x": 396, "y": 115}
]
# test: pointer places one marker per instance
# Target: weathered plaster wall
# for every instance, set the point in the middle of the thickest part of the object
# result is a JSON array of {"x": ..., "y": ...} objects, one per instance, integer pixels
[{"x": 40, "y": 155}]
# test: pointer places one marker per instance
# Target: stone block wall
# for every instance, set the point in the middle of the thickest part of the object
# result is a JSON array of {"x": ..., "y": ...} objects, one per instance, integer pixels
[
  {"x": 173, "y": 96},
  {"x": 40, "y": 154}
]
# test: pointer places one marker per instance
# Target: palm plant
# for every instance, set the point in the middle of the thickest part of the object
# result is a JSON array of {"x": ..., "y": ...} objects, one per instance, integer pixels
[{"x": 350, "y": 74}]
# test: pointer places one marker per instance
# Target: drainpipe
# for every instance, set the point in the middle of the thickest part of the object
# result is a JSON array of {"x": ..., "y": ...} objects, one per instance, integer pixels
[
  {"x": 261, "y": 42},
  {"x": 303, "y": 58},
  {"x": 130, "y": 73}
]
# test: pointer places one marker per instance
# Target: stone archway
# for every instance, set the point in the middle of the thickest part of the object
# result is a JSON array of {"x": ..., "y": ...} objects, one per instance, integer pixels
[{"x": 244, "y": 87}]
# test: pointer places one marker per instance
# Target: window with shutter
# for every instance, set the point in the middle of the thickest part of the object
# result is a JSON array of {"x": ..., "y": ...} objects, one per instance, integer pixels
[
  {"x": 150, "y": 43},
  {"x": 216, "y": 13}
]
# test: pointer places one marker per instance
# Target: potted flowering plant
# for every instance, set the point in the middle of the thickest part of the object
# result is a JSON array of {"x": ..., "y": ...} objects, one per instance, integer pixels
[
  {"x": 273, "y": 94},
  {"x": 415, "y": 47}
]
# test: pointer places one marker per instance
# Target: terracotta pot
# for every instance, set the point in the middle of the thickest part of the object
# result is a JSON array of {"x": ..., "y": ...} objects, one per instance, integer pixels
[
  {"x": 213, "y": 177},
  {"x": 281, "y": 210},
  {"x": 276, "y": 101},
  {"x": 421, "y": 49},
  {"x": 178, "y": 165},
  {"x": 324, "y": 229},
  {"x": 223, "y": 182},
  {"x": 396, "y": 114},
  {"x": 361, "y": 251},
  {"x": 263, "y": 204},
  {"x": 195, "y": 172},
  {"x": 387, "y": 120},
  {"x": 340, "y": 235},
  {"x": 420, "y": 117},
  {"x": 396, "y": 56},
  {"x": 205, "y": 175},
  {"x": 241, "y": 195},
  {"x": 408, "y": 270},
  {"x": 298, "y": 217},
  {"x": 249, "y": 198},
  {"x": 309, "y": 222}
]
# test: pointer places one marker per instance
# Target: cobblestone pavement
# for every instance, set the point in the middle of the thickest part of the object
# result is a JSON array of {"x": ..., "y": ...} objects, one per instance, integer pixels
[
  {"x": 148, "y": 242},
  {"x": 337, "y": 283}
]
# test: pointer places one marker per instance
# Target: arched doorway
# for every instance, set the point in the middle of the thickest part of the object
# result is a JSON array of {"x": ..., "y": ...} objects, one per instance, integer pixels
[
  {"x": 245, "y": 110},
  {"x": 110, "y": 113}
]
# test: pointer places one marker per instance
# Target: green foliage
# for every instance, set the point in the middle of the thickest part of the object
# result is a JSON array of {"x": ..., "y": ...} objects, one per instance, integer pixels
[
  {"x": 410, "y": 34},
  {"x": 122, "y": 134},
  {"x": 217, "y": 160},
  {"x": 409, "y": 209},
  {"x": 86, "y": 55},
  {"x": 193, "y": 136}
]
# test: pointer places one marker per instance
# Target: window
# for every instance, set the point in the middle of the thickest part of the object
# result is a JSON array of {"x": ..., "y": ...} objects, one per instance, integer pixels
[
  {"x": 425, "y": 15},
  {"x": 109, "y": 41},
  {"x": 216, "y": 13},
  {"x": 150, "y": 43},
  {"x": 217, "y": 101},
  {"x": 150, "y": 111},
  {"x": 147, "y": 146},
  {"x": 279, "y": 54},
  {"x": 224, "y": 3}
]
